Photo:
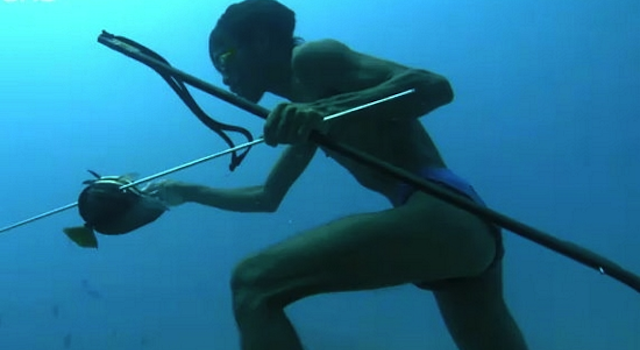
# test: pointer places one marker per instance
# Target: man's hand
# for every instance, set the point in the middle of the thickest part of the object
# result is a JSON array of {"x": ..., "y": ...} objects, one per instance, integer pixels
[
  {"x": 291, "y": 123},
  {"x": 170, "y": 192}
]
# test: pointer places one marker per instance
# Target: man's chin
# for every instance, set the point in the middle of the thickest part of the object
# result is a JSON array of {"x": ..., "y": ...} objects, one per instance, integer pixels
[{"x": 252, "y": 96}]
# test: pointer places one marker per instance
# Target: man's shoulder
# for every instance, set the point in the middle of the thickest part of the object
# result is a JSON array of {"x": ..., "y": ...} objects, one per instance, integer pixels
[
  {"x": 317, "y": 52},
  {"x": 322, "y": 44}
]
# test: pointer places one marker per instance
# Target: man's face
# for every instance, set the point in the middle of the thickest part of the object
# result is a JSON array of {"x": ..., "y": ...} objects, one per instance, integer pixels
[{"x": 239, "y": 66}]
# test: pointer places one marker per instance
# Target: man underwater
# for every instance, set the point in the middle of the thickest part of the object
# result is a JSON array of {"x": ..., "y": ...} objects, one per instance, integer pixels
[{"x": 421, "y": 240}]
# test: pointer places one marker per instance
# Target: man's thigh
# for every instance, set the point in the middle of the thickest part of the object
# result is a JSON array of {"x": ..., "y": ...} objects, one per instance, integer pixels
[{"x": 424, "y": 240}]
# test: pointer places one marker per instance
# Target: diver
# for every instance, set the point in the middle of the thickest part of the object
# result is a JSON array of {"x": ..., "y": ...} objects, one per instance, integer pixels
[{"x": 419, "y": 240}]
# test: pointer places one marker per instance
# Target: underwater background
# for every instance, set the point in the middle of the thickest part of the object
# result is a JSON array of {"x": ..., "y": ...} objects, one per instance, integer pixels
[{"x": 544, "y": 124}]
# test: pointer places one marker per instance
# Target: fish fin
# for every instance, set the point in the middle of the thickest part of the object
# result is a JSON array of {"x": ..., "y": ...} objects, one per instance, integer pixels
[
  {"x": 94, "y": 173},
  {"x": 89, "y": 182},
  {"x": 128, "y": 177},
  {"x": 82, "y": 236}
]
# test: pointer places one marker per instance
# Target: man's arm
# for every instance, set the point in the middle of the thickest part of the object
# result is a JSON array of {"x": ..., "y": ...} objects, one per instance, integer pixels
[
  {"x": 263, "y": 198},
  {"x": 352, "y": 79}
]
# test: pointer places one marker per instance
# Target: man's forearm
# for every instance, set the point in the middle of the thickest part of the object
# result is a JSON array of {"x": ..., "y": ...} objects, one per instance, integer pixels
[{"x": 246, "y": 199}]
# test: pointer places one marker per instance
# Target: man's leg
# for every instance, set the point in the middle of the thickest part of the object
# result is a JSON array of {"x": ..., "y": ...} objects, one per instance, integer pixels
[
  {"x": 477, "y": 316},
  {"x": 424, "y": 240}
]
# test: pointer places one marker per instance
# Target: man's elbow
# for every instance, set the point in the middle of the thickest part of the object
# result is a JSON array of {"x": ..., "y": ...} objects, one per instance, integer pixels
[
  {"x": 271, "y": 207},
  {"x": 444, "y": 89},
  {"x": 434, "y": 88},
  {"x": 269, "y": 203}
]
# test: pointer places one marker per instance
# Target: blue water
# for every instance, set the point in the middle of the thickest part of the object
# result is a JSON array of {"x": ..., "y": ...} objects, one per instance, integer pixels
[{"x": 545, "y": 125}]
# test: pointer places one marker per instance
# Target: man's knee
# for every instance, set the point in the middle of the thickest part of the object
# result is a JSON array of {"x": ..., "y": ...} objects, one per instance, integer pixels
[
  {"x": 248, "y": 286},
  {"x": 246, "y": 275}
]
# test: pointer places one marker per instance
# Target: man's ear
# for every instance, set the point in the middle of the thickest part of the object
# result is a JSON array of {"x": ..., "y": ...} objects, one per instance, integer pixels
[{"x": 261, "y": 42}]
